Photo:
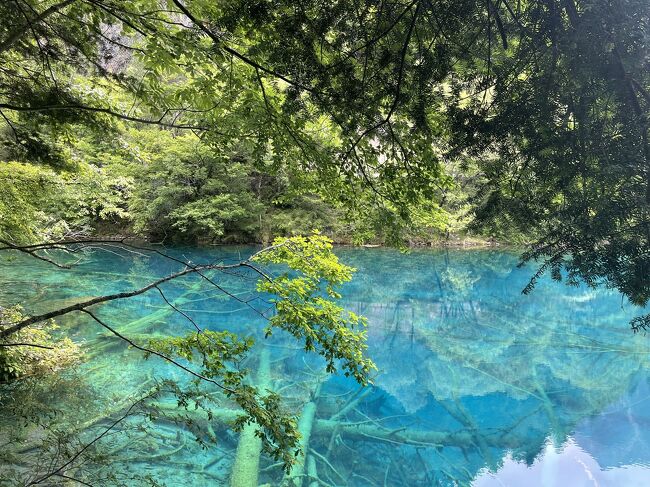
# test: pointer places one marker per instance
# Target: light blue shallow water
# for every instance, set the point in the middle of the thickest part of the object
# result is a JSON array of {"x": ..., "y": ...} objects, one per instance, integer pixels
[{"x": 477, "y": 384}]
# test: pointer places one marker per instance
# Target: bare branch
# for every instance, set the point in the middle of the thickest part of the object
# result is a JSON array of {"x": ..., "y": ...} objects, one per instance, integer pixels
[
  {"x": 107, "y": 111},
  {"x": 81, "y": 306},
  {"x": 32, "y": 252},
  {"x": 25, "y": 345},
  {"x": 90, "y": 302},
  {"x": 178, "y": 310}
]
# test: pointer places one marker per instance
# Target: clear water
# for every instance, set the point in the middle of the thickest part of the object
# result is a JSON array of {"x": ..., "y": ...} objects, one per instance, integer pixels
[{"x": 477, "y": 384}]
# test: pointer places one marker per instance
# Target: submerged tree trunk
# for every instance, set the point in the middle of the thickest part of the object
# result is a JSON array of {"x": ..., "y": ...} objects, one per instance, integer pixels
[
  {"x": 312, "y": 472},
  {"x": 370, "y": 431},
  {"x": 245, "y": 470},
  {"x": 305, "y": 426}
]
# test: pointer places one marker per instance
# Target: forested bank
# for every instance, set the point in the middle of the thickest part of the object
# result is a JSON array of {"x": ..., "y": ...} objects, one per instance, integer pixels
[
  {"x": 170, "y": 186},
  {"x": 165, "y": 187}
]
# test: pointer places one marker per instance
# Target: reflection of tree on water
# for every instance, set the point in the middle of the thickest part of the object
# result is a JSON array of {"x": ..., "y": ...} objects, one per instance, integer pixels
[
  {"x": 469, "y": 369},
  {"x": 509, "y": 370}
]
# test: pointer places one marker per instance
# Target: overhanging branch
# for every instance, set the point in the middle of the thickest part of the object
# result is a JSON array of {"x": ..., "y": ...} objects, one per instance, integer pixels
[
  {"x": 220, "y": 44},
  {"x": 46, "y": 108}
]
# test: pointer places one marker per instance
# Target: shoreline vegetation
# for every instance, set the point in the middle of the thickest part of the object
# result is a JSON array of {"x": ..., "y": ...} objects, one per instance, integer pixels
[
  {"x": 114, "y": 199},
  {"x": 452, "y": 241}
]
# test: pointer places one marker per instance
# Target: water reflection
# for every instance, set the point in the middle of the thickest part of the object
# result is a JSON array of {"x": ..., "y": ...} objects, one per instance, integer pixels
[
  {"x": 566, "y": 465},
  {"x": 477, "y": 384}
]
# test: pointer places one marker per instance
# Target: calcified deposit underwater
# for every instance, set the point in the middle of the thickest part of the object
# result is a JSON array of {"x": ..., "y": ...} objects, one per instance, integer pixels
[{"x": 476, "y": 383}]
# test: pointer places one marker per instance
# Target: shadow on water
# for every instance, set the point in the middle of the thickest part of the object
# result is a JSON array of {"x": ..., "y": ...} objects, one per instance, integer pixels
[{"x": 477, "y": 384}]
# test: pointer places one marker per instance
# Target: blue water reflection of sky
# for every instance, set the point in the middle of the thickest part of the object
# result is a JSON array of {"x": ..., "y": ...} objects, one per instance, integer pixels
[
  {"x": 567, "y": 465},
  {"x": 611, "y": 449}
]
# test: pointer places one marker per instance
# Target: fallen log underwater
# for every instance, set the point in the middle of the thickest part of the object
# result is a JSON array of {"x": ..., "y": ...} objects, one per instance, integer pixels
[
  {"x": 304, "y": 472},
  {"x": 245, "y": 470},
  {"x": 305, "y": 427},
  {"x": 362, "y": 430}
]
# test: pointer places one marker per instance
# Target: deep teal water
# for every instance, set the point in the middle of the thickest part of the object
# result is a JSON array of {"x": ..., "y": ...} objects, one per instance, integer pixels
[{"x": 477, "y": 384}]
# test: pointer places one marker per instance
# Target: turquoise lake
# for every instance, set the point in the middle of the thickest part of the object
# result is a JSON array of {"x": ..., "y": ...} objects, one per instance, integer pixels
[{"x": 477, "y": 384}]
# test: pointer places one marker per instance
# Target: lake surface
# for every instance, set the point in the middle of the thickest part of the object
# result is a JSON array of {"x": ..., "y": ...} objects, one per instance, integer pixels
[{"x": 477, "y": 384}]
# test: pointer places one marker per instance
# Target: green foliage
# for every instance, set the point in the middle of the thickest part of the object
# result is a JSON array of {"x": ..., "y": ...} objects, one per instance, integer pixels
[
  {"x": 33, "y": 351},
  {"x": 39, "y": 204},
  {"x": 183, "y": 187},
  {"x": 324, "y": 326},
  {"x": 565, "y": 149},
  {"x": 27, "y": 191},
  {"x": 219, "y": 353},
  {"x": 215, "y": 350},
  {"x": 95, "y": 195}
]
